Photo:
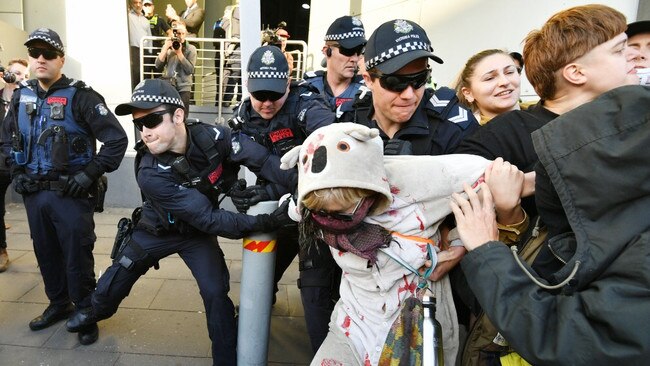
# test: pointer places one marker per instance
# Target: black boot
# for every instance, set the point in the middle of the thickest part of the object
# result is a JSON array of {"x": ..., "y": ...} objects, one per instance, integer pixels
[
  {"x": 51, "y": 315},
  {"x": 82, "y": 319},
  {"x": 88, "y": 334}
]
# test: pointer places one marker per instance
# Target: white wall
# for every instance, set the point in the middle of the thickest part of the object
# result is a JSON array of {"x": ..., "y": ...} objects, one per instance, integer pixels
[{"x": 457, "y": 29}]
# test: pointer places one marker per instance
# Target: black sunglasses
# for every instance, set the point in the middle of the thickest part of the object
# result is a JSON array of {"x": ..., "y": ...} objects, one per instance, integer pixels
[
  {"x": 349, "y": 52},
  {"x": 398, "y": 83},
  {"x": 264, "y": 95},
  {"x": 35, "y": 52},
  {"x": 343, "y": 216},
  {"x": 147, "y": 4},
  {"x": 151, "y": 120}
]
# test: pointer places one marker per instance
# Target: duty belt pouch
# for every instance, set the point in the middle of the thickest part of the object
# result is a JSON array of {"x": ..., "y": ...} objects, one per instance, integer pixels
[
  {"x": 60, "y": 155},
  {"x": 100, "y": 195}
]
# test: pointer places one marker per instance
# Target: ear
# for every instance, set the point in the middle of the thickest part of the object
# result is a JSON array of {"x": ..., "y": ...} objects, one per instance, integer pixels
[
  {"x": 574, "y": 74},
  {"x": 367, "y": 79},
  {"x": 468, "y": 94},
  {"x": 359, "y": 132},
  {"x": 179, "y": 115},
  {"x": 290, "y": 159}
]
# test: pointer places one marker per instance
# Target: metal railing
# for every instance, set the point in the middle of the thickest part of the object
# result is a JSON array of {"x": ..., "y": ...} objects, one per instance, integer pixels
[{"x": 217, "y": 80}]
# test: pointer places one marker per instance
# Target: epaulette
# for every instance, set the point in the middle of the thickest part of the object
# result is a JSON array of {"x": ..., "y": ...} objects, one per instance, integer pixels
[
  {"x": 446, "y": 105},
  {"x": 313, "y": 74}
]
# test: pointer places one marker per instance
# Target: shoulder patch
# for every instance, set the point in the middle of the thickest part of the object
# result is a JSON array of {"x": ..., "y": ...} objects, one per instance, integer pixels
[{"x": 101, "y": 109}]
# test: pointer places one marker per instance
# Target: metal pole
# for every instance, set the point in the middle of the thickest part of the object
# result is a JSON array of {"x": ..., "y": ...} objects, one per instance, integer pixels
[{"x": 258, "y": 265}]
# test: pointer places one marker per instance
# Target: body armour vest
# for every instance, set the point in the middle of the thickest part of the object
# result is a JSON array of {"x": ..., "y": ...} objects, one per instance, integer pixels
[
  {"x": 280, "y": 134},
  {"x": 52, "y": 140},
  {"x": 317, "y": 80}
]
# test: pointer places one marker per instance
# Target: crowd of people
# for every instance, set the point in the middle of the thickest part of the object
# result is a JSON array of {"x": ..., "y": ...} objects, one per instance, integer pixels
[{"x": 526, "y": 223}]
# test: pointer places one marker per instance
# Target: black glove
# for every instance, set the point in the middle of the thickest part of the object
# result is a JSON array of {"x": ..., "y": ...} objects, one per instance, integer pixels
[
  {"x": 275, "y": 220},
  {"x": 78, "y": 185},
  {"x": 398, "y": 147},
  {"x": 23, "y": 184},
  {"x": 243, "y": 199}
]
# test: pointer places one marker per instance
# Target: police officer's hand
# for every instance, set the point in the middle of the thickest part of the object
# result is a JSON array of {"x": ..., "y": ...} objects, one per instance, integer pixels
[
  {"x": 243, "y": 199},
  {"x": 78, "y": 185},
  {"x": 24, "y": 184},
  {"x": 275, "y": 220},
  {"x": 398, "y": 147}
]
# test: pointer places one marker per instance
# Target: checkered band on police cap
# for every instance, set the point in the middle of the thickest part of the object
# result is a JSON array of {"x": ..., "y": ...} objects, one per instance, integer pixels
[
  {"x": 149, "y": 94},
  {"x": 348, "y": 31},
  {"x": 48, "y": 36},
  {"x": 396, "y": 43},
  {"x": 267, "y": 70}
]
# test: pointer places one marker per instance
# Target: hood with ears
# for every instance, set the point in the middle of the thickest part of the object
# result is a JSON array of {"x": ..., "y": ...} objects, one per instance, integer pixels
[{"x": 340, "y": 155}]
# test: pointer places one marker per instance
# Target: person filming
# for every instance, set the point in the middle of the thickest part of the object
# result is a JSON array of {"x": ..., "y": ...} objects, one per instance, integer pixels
[{"x": 178, "y": 58}]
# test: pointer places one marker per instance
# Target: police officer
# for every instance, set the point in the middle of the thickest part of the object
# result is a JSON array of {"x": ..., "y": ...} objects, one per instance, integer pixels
[
  {"x": 411, "y": 118},
  {"x": 181, "y": 170},
  {"x": 344, "y": 43},
  {"x": 278, "y": 115},
  {"x": 55, "y": 122}
]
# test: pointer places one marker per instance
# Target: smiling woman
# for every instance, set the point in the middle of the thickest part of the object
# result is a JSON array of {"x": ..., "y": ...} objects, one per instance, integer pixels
[{"x": 489, "y": 84}]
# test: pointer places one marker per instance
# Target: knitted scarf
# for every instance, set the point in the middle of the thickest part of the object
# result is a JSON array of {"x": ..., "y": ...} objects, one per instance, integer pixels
[{"x": 354, "y": 236}]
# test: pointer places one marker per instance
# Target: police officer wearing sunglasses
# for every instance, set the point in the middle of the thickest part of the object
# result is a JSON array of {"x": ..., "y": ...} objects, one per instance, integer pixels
[
  {"x": 344, "y": 43},
  {"x": 54, "y": 124},
  {"x": 412, "y": 119},
  {"x": 181, "y": 169},
  {"x": 278, "y": 115}
]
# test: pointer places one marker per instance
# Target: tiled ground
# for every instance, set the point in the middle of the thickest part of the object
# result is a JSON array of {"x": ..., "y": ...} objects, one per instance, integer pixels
[{"x": 160, "y": 323}]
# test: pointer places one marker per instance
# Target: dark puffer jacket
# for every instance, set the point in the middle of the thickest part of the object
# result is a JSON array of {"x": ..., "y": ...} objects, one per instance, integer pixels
[{"x": 597, "y": 157}]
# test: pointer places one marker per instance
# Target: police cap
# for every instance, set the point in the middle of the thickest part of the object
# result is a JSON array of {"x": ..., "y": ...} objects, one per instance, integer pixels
[
  {"x": 642, "y": 26},
  {"x": 48, "y": 36},
  {"x": 268, "y": 70},
  {"x": 347, "y": 31},
  {"x": 150, "y": 93},
  {"x": 396, "y": 43}
]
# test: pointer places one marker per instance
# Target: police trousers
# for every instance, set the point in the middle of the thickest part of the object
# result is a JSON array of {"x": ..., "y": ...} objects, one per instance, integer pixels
[
  {"x": 202, "y": 254},
  {"x": 320, "y": 278},
  {"x": 63, "y": 231}
]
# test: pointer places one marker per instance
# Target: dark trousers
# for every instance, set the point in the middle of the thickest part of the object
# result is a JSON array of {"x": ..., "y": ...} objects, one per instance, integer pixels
[
  {"x": 320, "y": 278},
  {"x": 206, "y": 261},
  {"x": 5, "y": 181},
  {"x": 62, "y": 229},
  {"x": 135, "y": 66},
  {"x": 185, "y": 98},
  {"x": 287, "y": 250}
]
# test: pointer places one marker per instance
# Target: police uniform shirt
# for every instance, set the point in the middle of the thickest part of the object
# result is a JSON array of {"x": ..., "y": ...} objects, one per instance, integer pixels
[
  {"x": 162, "y": 188},
  {"x": 443, "y": 140},
  {"x": 318, "y": 79},
  {"x": 304, "y": 110}
]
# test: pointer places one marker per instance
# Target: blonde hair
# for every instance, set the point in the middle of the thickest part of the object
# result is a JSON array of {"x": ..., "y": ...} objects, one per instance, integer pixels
[{"x": 318, "y": 199}]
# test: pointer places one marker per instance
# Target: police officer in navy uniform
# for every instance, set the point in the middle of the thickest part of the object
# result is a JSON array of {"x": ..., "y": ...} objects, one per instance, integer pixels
[
  {"x": 278, "y": 115},
  {"x": 181, "y": 170},
  {"x": 54, "y": 123},
  {"x": 344, "y": 43},
  {"x": 412, "y": 119}
]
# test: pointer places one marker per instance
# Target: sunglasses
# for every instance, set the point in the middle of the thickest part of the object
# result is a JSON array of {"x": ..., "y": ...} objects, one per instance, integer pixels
[
  {"x": 343, "y": 216},
  {"x": 35, "y": 52},
  {"x": 398, "y": 83},
  {"x": 265, "y": 95},
  {"x": 349, "y": 52},
  {"x": 147, "y": 4},
  {"x": 151, "y": 120}
]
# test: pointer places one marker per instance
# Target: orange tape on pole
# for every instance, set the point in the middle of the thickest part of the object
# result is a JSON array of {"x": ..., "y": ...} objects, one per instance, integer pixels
[{"x": 259, "y": 246}]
